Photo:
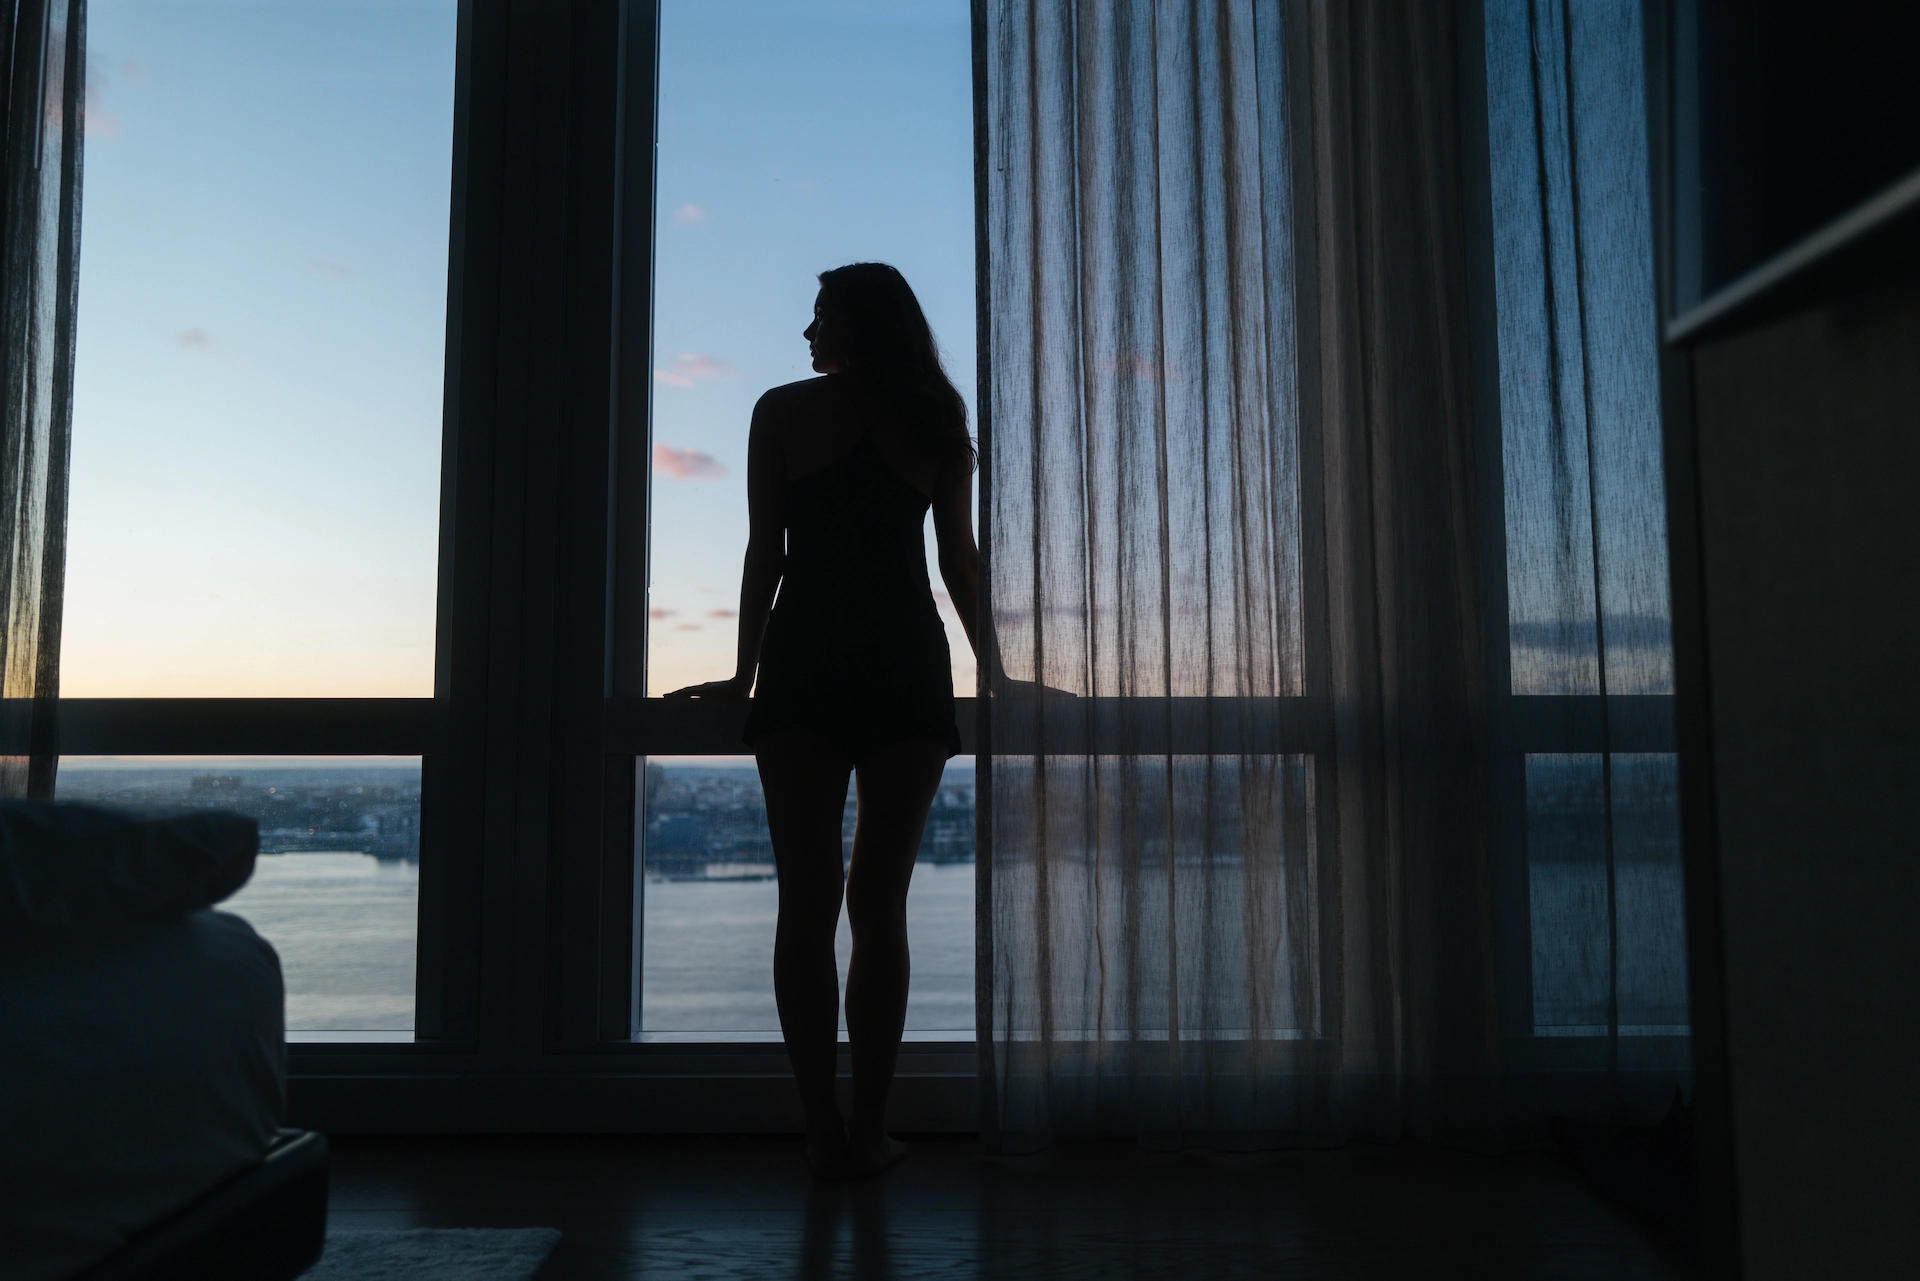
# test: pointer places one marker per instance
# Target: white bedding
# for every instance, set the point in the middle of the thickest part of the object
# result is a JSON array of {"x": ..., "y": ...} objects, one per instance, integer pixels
[{"x": 138, "y": 1068}]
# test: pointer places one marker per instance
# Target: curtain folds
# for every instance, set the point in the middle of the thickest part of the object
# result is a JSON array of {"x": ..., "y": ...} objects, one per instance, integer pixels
[
  {"x": 44, "y": 58},
  {"x": 1242, "y": 878},
  {"x": 1588, "y": 609}
]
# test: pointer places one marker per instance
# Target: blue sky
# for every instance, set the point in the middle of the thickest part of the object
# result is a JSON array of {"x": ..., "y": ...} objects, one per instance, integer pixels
[
  {"x": 794, "y": 137},
  {"x": 263, "y": 271},
  {"x": 262, "y": 323}
]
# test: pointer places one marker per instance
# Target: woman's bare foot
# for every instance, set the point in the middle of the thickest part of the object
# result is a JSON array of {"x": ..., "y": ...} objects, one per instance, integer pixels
[
  {"x": 828, "y": 1155},
  {"x": 868, "y": 1157}
]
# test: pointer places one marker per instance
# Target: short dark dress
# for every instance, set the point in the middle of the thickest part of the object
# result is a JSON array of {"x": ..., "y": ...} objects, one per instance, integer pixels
[{"x": 855, "y": 650}]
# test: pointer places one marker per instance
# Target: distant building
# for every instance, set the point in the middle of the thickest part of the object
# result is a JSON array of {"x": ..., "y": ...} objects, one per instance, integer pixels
[
  {"x": 362, "y": 811},
  {"x": 698, "y": 819}
]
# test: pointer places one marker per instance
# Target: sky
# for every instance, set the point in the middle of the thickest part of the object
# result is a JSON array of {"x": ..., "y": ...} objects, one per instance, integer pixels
[
  {"x": 256, "y": 441},
  {"x": 255, "y": 484},
  {"x": 794, "y": 137}
]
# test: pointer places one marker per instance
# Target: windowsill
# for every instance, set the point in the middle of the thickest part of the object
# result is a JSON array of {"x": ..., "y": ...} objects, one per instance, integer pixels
[
  {"x": 349, "y": 1036},
  {"x": 717, "y": 1058},
  {"x": 953, "y": 1036}
]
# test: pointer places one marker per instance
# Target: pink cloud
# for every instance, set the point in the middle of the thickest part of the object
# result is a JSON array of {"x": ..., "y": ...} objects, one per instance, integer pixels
[
  {"x": 687, "y": 627},
  {"x": 691, "y": 364},
  {"x": 658, "y": 614},
  {"x": 689, "y": 215},
  {"x": 722, "y": 613},
  {"x": 691, "y": 367},
  {"x": 687, "y": 464},
  {"x": 101, "y": 123},
  {"x": 195, "y": 340}
]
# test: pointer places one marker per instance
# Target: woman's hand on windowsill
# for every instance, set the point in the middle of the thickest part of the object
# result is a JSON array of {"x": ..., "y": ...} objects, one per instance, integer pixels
[{"x": 737, "y": 687}]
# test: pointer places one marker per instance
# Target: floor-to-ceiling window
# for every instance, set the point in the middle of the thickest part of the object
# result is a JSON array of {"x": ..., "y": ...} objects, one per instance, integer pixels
[
  {"x": 256, "y": 480},
  {"x": 1589, "y": 661},
  {"x": 259, "y": 481},
  {"x": 794, "y": 136}
]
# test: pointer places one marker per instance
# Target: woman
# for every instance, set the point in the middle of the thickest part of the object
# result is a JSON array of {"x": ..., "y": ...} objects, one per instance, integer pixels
[{"x": 854, "y": 675}]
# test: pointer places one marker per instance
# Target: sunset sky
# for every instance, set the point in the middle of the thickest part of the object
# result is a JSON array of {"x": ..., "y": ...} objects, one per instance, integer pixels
[
  {"x": 257, "y": 406},
  {"x": 256, "y": 443}
]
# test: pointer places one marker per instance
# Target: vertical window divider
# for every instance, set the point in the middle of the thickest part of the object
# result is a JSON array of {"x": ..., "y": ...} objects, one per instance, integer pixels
[
  {"x": 1507, "y": 803},
  {"x": 630, "y": 496}
]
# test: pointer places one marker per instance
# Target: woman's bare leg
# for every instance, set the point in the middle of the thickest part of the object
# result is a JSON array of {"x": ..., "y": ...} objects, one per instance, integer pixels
[
  {"x": 805, "y": 783},
  {"x": 896, "y": 788}
]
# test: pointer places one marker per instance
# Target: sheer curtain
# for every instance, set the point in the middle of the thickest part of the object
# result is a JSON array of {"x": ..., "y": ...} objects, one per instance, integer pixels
[
  {"x": 1585, "y": 529},
  {"x": 44, "y": 44},
  {"x": 1245, "y": 880}
]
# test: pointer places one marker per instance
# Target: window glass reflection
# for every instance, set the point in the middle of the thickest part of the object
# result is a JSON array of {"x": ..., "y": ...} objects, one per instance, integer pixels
[
  {"x": 1600, "y": 940},
  {"x": 710, "y": 900},
  {"x": 336, "y": 888}
]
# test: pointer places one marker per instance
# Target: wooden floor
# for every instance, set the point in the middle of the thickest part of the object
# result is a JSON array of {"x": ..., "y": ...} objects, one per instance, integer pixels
[{"x": 728, "y": 1207}]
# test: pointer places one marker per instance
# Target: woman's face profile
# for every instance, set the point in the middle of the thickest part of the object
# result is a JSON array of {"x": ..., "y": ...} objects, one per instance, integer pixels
[{"x": 820, "y": 341}]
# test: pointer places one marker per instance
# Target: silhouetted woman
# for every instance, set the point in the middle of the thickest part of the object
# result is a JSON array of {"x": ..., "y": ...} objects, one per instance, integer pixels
[{"x": 854, "y": 673}]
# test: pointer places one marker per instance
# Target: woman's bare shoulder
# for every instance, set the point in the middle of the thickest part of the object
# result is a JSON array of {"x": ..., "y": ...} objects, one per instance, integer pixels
[{"x": 795, "y": 398}]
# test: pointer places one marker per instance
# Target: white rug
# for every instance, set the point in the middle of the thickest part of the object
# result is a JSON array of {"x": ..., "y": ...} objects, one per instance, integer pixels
[{"x": 435, "y": 1254}]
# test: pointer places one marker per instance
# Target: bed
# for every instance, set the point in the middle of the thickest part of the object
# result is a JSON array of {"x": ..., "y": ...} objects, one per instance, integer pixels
[{"x": 142, "y": 1055}]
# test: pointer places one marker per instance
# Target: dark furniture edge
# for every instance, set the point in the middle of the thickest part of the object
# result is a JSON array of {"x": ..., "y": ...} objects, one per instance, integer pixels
[
  {"x": 1870, "y": 240},
  {"x": 267, "y": 1222}
]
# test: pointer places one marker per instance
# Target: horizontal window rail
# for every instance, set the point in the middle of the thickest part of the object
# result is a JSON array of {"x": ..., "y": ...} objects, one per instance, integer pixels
[
  {"x": 698, "y": 727},
  {"x": 1587, "y": 723},
  {"x": 675, "y": 727},
  {"x": 1179, "y": 726},
  {"x": 249, "y": 726}
]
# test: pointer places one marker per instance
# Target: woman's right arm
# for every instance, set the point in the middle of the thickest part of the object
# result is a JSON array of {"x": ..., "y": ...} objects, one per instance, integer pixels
[{"x": 766, "y": 553}]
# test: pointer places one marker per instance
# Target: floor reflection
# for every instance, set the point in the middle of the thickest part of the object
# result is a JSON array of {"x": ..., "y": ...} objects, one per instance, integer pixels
[
  {"x": 722, "y": 1209},
  {"x": 846, "y": 1233}
]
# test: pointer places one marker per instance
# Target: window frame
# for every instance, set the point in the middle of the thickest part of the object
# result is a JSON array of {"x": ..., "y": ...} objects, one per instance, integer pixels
[
  {"x": 527, "y": 927},
  {"x": 1528, "y": 724},
  {"x": 529, "y": 921}
]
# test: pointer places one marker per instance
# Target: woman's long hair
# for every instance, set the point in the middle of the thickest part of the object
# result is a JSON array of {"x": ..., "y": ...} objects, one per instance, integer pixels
[{"x": 890, "y": 348}]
